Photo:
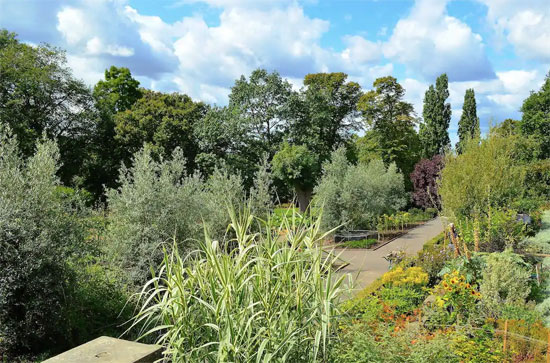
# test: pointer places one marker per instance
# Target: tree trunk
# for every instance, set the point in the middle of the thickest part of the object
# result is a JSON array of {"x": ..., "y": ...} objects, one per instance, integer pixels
[{"x": 304, "y": 197}]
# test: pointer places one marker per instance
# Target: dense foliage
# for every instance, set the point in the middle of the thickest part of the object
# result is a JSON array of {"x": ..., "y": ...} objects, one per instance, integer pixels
[
  {"x": 356, "y": 195},
  {"x": 100, "y": 188},
  {"x": 437, "y": 117},
  {"x": 425, "y": 179},
  {"x": 268, "y": 299},
  {"x": 468, "y": 125}
]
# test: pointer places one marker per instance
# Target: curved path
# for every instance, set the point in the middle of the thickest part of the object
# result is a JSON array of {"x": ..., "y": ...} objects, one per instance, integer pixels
[{"x": 365, "y": 266}]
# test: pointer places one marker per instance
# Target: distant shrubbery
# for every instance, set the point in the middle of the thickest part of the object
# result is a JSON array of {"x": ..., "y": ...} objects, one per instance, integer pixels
[{"x": 355, "y": 195}]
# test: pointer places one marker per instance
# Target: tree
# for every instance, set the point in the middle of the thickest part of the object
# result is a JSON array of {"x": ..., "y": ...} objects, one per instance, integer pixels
[
  {"x": 299, "y": 167},
  {"x": 41, "y": 229},
  {"x": 425, "y": 178},
  {"x": 437, "y": 117},
  {"x": 116, "y": 93},
  {"x": 39, "y": 95},
  {"x": 536, "y": 117},
  {"x": 392, "y": 133},
  {"x": 260, "y": 198},
  {"x": 468, "y": 126},
  {"x": 165, "y": 121},
  {"x": 224, "y": 139},
  {"x": 325, "y": 113},
  {"x": 355, "y": 195},
  {"x": 263, "y": 103}
]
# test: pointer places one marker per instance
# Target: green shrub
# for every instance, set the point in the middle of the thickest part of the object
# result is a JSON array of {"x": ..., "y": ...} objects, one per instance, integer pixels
[
  {"x": 505, "y": 281},
  {"x": 157, "y": 201},
  {"x": 485, "y": 175},
  {"x": 40, "y": 230},
  {"x": 355, "y": 195},
  {"x": 362, "y": 243},
  {"x": 98, "y": 303},
  {"x": 268, "y": 299}
]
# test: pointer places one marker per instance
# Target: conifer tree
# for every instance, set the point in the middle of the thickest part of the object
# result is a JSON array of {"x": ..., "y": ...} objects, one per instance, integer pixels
[
  {"x": 437, "y": 117},
  {"x": 468, "y": 126}
]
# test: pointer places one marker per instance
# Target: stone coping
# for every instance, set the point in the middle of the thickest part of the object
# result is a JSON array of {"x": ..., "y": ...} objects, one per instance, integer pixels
[{"x": 110, "y": 350}]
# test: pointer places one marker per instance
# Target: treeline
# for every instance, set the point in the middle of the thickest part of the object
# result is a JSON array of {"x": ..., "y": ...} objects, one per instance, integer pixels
[{"x": 99, "y": 129}]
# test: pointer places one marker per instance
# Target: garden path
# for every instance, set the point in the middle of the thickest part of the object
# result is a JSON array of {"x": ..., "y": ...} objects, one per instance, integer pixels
[{"x": 365, "y": 266}]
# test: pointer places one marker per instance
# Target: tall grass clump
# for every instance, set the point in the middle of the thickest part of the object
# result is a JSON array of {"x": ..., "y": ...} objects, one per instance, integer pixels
[{"x": 271, "y": 298}]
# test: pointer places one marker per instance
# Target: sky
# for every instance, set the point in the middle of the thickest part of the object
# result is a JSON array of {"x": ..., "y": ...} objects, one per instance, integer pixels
[{"x": 501, "y": 48}]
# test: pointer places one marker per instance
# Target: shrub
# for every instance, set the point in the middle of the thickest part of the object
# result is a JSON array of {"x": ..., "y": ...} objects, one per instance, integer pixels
[
  {"x": 486, "y": 175},
  {"x": 362, "y": 243},
  {"x": 157, "y": 201},
  {"x": 355, "y": 195},
  {"x": 413, "y": 276},
  {"x": 424, "y": 179},
  {"x": 505, "y": 281},
  {"x": 269, "y": 299},
  {"x": 40, "y": 230},
  {"x": 261, "y": 202}
]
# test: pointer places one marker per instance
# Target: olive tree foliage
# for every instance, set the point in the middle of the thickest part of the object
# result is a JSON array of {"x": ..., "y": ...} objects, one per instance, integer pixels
[
  {"x": 157, "y": 201},
  {"x": 505, "y": 281},
  {"x": 40, "y": 230},
  {"x": 261, "y": 193},
  {"x": 355, "y": 195}
]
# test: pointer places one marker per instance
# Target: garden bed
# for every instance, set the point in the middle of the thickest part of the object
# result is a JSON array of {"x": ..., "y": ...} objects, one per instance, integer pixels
[{"x": 350, "y": 240}]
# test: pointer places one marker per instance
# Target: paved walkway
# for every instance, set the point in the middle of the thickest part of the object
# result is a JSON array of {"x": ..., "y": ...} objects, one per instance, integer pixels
[{"x": 366, "y": 266}]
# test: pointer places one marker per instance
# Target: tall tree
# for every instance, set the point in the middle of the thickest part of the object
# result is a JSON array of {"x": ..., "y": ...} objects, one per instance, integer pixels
[
  {"x": 165, "y": 121},
  {"x": 434, "y": 133},
  {"x": 300, "y": 167},
  {"x": 536, "y": 117},
  {"x": 324, "y": 116},
  {"x": 325, "y": 112},
  {"x": 391, "y": 123},
  {"x": 468, "y": 126},
  {"x": 116, "y": 93},
  {"x": 39, "y": 95},
  {"x": 262, "y": 101}
]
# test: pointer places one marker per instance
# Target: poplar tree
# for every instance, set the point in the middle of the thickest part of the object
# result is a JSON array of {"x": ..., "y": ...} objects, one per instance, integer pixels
[
  {"x": 437, "y": 117},
  {"x": 468, "y": 126}
]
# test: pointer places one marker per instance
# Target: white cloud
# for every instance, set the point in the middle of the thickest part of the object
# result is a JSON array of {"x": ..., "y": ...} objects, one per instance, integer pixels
[
  {"x": 524, "y": 24},
  {"x": 73, "y": 25},
  {"x": 431, "y": 42}
]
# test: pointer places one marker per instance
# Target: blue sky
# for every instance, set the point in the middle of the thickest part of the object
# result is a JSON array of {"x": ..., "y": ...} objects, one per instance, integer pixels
[{"x": 501, "y": 48}]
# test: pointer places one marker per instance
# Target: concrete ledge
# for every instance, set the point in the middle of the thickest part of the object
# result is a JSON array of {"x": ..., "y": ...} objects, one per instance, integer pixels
[{"x": 111, "y": 350}]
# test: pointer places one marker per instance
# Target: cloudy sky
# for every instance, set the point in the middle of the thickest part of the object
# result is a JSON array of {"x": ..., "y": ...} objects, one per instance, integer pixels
[{"x": 501, "y": 48}]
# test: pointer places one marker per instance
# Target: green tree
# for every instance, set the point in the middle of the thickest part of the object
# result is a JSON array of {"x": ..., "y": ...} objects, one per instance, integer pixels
[
  {"x": 355, "y": 195},
  {"x": 391, "y": 121},
  {"x": 263, "y": 103},
  {"x": 39, "y": 95},
  {"x": 434, "y": 133},
  {"x": 536, "y": 117},
  {"x": 299, "y": 167},
  {"x": 41, "y": 229},
  {"x": 224, "y": 139},
  {"x": 116, "y": 93},
  {"x": 468, "y": 126},
  {"x": 325, "y": 113},
  {"x": 165, "y": 121}
]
